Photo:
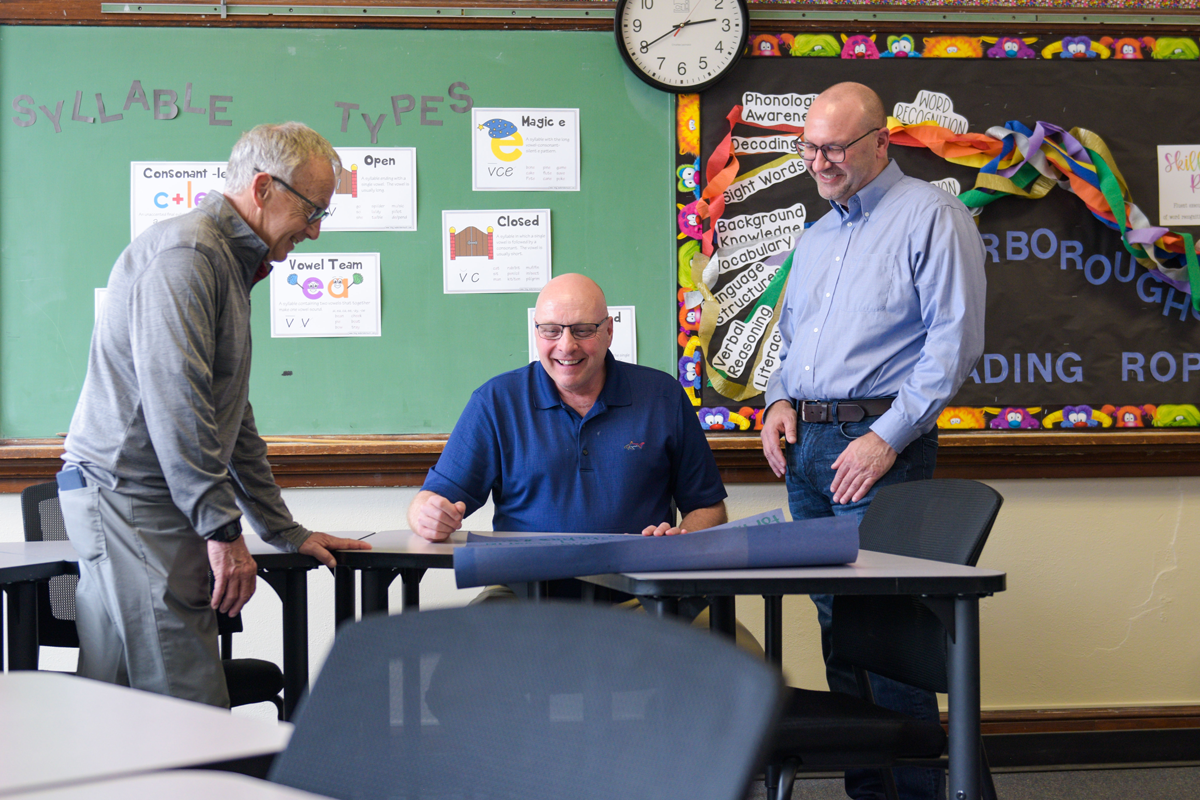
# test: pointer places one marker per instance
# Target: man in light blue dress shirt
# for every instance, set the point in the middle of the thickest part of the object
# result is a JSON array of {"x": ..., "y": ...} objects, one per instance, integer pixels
[{"x": 882, "y": 321}]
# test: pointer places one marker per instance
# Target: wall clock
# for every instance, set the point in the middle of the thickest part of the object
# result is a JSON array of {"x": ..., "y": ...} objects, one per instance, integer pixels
[{"x": 681, "y": 46}]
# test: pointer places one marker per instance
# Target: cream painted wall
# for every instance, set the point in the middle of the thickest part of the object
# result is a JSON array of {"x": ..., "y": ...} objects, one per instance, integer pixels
[{"x": 1101, "y": 609}]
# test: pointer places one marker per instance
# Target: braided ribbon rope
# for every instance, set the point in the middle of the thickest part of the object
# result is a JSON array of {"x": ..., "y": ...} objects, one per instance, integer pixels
[{"x": 1013, "y": 161}]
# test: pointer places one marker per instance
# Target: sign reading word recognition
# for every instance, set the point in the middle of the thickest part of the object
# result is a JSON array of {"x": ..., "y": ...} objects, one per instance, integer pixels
[
  {"x": 495, "y": 251},
  {"x": 525, "y": 149},
  {"x": 325, "y": 295},
  {"x": 377, "y": 190},
  {"x": 624, "y": 342},
  {"x": 1179, "y": 184},
  {"x": 160, "y": 190}
]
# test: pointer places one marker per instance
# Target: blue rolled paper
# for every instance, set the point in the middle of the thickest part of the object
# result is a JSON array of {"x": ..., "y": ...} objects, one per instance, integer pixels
[{"x": 805, "y": 543}]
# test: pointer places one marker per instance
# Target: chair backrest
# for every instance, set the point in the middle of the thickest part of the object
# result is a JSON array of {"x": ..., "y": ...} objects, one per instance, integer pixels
[
  {"x": 942, "y": 520},
  {"x": 41, "y": 514},
  {"x": 900, "y": 637},
  {"x": 43, "y": 521},
  {"x": 527, "y": 700}
]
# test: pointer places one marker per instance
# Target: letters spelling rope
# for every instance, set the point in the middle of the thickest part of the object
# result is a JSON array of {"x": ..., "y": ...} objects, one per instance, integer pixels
[
  {"x": 721, "y": 172},
  {"x": 1016, "y": 161}
]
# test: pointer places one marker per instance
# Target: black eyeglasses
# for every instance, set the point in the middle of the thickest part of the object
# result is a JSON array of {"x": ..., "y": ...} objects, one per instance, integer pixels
[
  {"x": 317, "y": 214},
  {"x": 580, "y": 330},
  {"x": 834, "y": 153}
]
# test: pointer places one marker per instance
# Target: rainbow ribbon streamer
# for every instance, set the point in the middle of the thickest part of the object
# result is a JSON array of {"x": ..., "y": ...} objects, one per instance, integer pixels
[{"x": 1014, "y": 161}]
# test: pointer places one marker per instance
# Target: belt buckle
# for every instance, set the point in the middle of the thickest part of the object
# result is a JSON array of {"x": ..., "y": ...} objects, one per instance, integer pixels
[{"x": 814, "y": 412}]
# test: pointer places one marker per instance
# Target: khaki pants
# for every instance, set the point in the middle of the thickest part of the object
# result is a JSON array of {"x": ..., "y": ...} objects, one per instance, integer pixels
[{"x": 142, "y": 605}]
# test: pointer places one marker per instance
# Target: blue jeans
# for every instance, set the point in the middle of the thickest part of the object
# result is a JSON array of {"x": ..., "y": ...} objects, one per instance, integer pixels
[{"x": 809, "y": 476}]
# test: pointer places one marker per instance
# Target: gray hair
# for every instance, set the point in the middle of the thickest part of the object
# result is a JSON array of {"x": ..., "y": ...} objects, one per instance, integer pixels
[{"x": 277, "y": 149}]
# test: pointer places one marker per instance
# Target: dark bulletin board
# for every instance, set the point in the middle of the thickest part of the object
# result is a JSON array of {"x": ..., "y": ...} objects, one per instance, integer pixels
[
  {"x": 1070, "y": 322},
  {"x": 64, "y": 202}
]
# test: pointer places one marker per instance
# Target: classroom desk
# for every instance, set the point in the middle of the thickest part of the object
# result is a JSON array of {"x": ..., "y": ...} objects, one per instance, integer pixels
[
  {"x": 176, "y": 785},
  {"x": 397, "y": 553},
  {"x": 60, "y": 730},
  {"x": 393, "y": 553},
  {"x": 287, "y": 574},
  {"x": 952, "y": 591},
  {"x": 23, "y": 565}
]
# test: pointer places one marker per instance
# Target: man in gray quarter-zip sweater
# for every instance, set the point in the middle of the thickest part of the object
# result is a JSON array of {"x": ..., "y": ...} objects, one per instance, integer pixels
[{"x": 163, "y": 458}]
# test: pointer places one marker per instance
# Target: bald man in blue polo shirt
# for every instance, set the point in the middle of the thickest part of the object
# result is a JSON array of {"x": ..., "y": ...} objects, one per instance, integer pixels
[{"x": 575, "y": 441}]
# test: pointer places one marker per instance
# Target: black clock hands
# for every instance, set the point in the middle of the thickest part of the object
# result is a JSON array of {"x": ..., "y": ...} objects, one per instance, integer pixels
[{"x": 677, "y": 28}]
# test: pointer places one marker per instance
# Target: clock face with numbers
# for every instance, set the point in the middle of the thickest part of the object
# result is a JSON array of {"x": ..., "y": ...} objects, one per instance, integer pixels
[{"x": 681, "y": 45}]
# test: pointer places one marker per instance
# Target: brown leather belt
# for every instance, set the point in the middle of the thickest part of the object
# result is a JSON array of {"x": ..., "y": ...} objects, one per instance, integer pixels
[{"x": 839, "y": 411}]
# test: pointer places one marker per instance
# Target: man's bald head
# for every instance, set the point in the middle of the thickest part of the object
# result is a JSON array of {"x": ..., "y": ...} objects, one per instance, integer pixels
[
  {"x": 579, "y": 292},
  {"x": 852, "y": 102},
  {"x": 846, "y": 117}
]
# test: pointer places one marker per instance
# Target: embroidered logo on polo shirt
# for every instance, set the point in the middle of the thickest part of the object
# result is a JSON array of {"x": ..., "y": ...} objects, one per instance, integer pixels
[{"x": 635, "y": 445}]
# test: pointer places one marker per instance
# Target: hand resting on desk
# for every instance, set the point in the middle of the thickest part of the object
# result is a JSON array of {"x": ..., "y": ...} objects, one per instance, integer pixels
[
  {"x": 321, "y": 545},
  {"x": 433, "y": 517},
  {"x": 695, "y": 520}
]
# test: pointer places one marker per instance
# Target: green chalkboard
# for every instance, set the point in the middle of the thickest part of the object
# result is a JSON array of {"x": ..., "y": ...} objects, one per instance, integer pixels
[{"x": 65, "y": 202}]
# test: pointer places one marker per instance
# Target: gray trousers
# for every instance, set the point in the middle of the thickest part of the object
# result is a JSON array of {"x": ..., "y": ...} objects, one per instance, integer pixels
[{"x": 142, "y": 604}]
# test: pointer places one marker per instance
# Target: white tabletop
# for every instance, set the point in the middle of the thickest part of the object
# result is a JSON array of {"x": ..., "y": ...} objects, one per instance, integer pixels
[
  {"x": 59, "y": 729},
  {"x": 871, "y": 573},
  {"x": 258, "y": 547},
  {"x": 175, "y": 785},
  {"x": 405, "y": 541},
  {"x": 869, "y": 564},
  {"x": 37, "y": 552}
]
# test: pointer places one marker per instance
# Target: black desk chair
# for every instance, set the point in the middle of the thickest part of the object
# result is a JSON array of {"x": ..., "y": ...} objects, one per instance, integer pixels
[
  {"x": 250, "y": 680},
  {"x": 898, "y": 637},
  {"x": 521, "y": 701}
]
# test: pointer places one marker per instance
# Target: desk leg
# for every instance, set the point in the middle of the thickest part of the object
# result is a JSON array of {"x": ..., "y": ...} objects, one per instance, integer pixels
[
  {"x": 661, "y": 607},
  {"x": 292, "y": 587},
  {"x": 963, "y": 668},
  {"x": 722, "y": 617},
  {"x": 343, "y": 596},
  {"x": 375, "y": 583},
  {"x": 410, "y": 578},
  {"x": 22, "y": 626},
  {"x": 773, "y": 629}
]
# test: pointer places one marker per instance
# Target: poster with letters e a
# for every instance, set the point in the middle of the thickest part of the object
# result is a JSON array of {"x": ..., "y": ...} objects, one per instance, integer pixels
[{"x": 325, "y": 295}]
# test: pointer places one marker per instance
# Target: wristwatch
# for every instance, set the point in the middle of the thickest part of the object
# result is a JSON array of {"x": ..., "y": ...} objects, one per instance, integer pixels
[{"x": 227, "y": 533}]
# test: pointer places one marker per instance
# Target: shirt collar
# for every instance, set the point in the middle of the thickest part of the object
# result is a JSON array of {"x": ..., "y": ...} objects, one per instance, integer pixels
[
  {"x": 245, "y": 245},
  {"x": 865, "y": 200},
  {"x": 616, "y": 391}
]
